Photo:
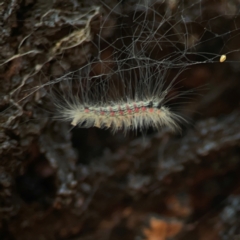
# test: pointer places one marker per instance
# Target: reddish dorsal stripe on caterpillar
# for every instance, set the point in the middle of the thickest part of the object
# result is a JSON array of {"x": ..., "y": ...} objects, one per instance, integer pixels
[{"x": 125, "y": 116}]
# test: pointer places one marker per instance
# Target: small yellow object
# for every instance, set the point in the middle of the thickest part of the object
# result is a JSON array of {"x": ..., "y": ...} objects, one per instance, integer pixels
[{"x": 222, "y": 58}]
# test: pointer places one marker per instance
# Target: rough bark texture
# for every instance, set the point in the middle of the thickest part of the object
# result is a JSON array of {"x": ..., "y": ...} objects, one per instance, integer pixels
[{"x": 90, "y": 184}]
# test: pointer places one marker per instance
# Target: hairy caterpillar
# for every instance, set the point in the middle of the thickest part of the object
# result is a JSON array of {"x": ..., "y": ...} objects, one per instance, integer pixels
[{"x": 132, "y": 98}]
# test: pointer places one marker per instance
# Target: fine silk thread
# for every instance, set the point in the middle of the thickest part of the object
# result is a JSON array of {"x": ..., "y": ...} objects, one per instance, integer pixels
[
  {"x": 128, "y": 93},
  {"x": 129, "y": 57},
  {"x": 130, "y": 90}
]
